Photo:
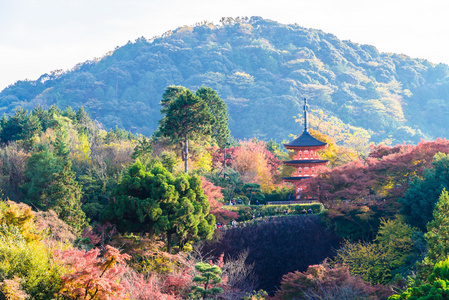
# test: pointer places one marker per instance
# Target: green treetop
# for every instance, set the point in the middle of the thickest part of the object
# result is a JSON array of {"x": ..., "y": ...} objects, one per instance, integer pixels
[
  {"x": 186, "y": 117},
  {"x": 156, "y": 202},
  {"x": 422, "y": 194},
  {"x": 170, "y": 94},
  {"x": 437, "y": 286},
  {"x": 63, "y": 195},
  {"x": 250, "y": 189},
  {"x": 143, "y": 150},
  {"x": 218, "y": 109},
  {"x": 209, "y": 277},
  {"x": 50, "y": 184},
  {"x": 437, "y": 235}
]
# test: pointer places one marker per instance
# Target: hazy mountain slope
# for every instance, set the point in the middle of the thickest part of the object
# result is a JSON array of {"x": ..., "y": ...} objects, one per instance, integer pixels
[{"x": 262, "y": 69}]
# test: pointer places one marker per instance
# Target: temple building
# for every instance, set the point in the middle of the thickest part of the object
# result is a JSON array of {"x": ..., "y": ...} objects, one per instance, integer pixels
[{"x": 306, "y": 159}]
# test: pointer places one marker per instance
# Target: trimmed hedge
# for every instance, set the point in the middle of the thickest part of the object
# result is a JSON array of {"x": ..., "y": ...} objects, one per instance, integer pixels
[{"x": 247, "y": 211}]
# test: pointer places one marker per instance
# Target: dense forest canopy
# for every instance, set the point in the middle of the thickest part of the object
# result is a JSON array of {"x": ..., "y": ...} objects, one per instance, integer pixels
[
  {"x": 262, "y": 70},
  {"x": 119, "y": 209}
]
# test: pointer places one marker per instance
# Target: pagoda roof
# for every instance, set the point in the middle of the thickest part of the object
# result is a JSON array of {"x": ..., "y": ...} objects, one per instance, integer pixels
[
  {"x": 296, "y": 178},
  {"x": 305, "y": 161},
  {"x": 305, "y": 140}
]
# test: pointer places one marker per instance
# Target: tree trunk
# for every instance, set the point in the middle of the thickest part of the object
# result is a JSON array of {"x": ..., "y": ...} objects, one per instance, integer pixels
[
  {"x": 186, "y": 154},
  {"x": 169, "y": 242},
  {"x": 182, "y": 243}
]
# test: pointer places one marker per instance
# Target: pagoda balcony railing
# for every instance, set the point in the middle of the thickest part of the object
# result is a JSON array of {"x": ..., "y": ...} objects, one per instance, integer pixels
[
  {"x": 303, "y": 175},
  {"x": 305, "y": 157}
]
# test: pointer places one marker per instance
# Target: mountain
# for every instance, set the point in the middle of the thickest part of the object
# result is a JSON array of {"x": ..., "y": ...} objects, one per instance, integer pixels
[{"x": 262, "y": 70}]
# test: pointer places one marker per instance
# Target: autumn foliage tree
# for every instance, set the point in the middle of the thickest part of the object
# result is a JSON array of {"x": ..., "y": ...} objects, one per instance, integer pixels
[
  {"x": 252, "y": 161},
  {"x": 215, "y": 197},
  {"x": 151, "y": 272},
  {"x": 336, "y": 155},
  {"x": 327, "y": 282},
  {"x": 141, "y": 287},
  {"x": 384, "y": 175},
  {"x": 91, "y": 275},
  {"x": 373, "y": 187}
]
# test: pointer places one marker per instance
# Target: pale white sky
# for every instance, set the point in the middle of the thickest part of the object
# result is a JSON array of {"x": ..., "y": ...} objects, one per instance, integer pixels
[{"x": 38, "y": 36}]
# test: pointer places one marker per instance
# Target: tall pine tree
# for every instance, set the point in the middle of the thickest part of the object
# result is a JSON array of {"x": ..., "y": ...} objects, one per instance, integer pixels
[
  {"x": 218, "y": 108},
  {"x": 186, "y": 117}
]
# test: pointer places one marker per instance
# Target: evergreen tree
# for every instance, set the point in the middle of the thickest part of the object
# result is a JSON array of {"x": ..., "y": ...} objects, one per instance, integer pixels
[
  {"x": 69, "y": 113},
  {"x": 39, "y": 174},
  {"x": 31, "y": 127},
  {"x": 186, "y": 117},
  {"x": 46, "y": 117},
  {"x": 250, "y": 189},
  {"x": 50, "y": 184},
  {"x": 437, "y": 235},
  {"x": 82, "y": 116},
  {"x": 38, "y": 111},
  {"x": 156, "y": 202},
  {"x": 437, "y": 286},
  {"x": 85, "y": 123},
  {"x": 170, "y": 94},
  {"x": 230, "y": 181},
  {"x": 12, "y": 129},
  {"x": 209, "y": 277},
  {"x": 143, "y": 150},
  {"x": 54, "y": 110},
  {"x": 422, "y": 194},
  {"x": 62, "y": 148},
  {"x": 169, "y": 160},
  {"x": 63, "y": 196},
  {"x": 218, "y": 108}
]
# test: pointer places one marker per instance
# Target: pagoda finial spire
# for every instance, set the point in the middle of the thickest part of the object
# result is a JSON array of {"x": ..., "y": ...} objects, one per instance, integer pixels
[{"x": 305, "y": 115}]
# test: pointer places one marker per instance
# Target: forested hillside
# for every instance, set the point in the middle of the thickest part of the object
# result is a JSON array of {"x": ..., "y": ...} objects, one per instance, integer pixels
[{"x": 262, "y": 70}]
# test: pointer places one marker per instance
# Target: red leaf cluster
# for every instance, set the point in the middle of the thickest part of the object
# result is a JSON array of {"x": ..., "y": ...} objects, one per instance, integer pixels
[
  {"x": 213, "y": 193},
  {"x": 140, "y": 288},
  {"x": 384, "y": 175},
  {"x": 214, "y": 196},
  {"x": 320, "y": 281},
  {"x": 91, "y": 275},
  {"x": 251, "y": 146}
]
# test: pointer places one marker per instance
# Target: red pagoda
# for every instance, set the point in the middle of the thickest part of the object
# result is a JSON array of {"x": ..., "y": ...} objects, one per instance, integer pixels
[{"x": 305, "y": 159}]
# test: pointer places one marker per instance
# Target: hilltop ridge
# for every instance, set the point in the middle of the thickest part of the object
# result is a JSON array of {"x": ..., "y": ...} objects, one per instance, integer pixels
[{"x": 261, "y": 69}]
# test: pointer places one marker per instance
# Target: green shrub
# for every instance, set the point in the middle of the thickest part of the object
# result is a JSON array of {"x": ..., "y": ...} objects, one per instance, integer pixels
[
  {"x": 29, "y": 261},
  {"x": 247, "y": 211},
  {"x": 278, "y": 194}
]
